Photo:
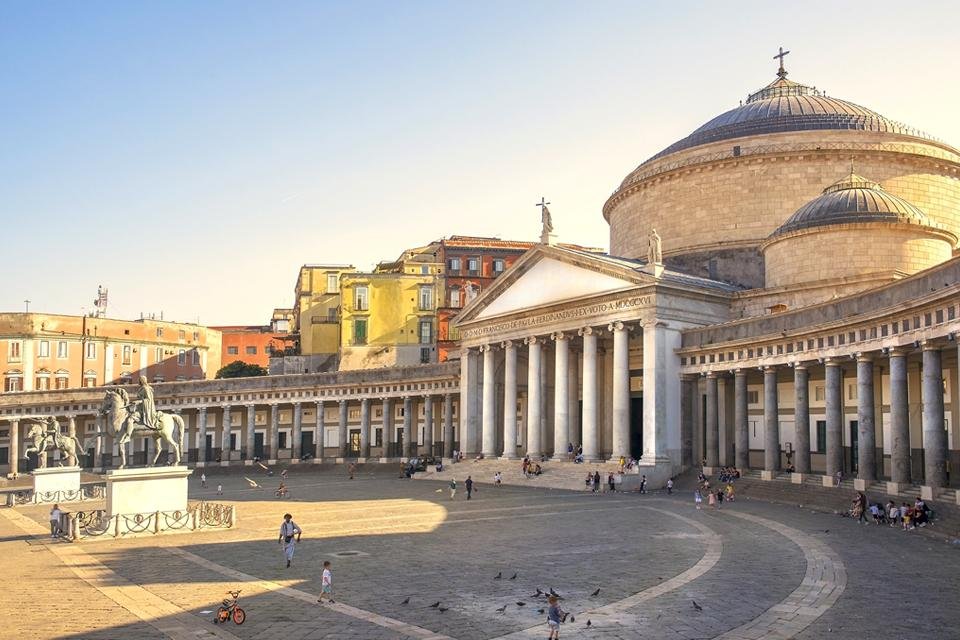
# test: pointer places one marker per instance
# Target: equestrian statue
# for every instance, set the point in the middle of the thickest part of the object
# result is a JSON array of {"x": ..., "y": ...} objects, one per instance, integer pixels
[
  {"x": 128, "y": 417},
  {"x": 45, "y": 436}
]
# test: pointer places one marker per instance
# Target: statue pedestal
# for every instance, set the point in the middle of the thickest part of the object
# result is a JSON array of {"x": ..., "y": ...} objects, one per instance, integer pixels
[
  {"x": 56, "y": 484},
  {"x": 147, "y": 490}
]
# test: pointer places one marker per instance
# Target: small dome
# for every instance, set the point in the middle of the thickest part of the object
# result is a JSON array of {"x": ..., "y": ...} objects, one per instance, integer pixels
[
  {"x": 784, "y": 106},
  {"x": 853, "y": 199}
]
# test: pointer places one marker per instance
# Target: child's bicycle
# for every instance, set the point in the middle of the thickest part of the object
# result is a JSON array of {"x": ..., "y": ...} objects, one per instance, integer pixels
[{"x": 230, "y": 609}]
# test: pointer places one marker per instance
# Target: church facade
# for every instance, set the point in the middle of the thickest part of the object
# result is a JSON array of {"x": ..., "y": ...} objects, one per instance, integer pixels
[{"x": 800, "y": 312}]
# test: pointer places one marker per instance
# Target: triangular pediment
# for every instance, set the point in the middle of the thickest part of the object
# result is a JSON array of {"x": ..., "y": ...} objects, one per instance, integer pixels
[{"x": 546, "y": 276}]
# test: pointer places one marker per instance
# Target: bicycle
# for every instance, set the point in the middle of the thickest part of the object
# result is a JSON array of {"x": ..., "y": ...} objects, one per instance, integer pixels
[{"x": 230, "y": 609}]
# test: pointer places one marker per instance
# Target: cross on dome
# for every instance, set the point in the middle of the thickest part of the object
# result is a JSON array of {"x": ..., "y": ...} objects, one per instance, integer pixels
[{"x": 781, "y": 72}]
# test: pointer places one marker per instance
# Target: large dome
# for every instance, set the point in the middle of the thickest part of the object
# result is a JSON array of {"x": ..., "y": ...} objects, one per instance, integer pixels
[
  {"x": 784, "y": 105},
  {"x": 853, "y": 200}
]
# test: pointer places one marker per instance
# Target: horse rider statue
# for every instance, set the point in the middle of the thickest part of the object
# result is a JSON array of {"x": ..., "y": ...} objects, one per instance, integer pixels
[
  {"x": 45, "y": 436},
  {"x": 143, "y": 410}
]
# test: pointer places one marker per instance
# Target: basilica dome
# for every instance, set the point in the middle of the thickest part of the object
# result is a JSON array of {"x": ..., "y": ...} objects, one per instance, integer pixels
[{"x": 716, "y": 195}]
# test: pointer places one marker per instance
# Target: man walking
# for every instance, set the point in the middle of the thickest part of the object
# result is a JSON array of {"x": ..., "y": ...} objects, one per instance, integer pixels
[
  {"x": 469, "y": 485},
  {"x": 203, "y": 480},
  {"x": 643, "y": 483},
  {"x": 453, "y": 488},
  {"x": 289, "y": 536},
  {"x": 55, "y": 521}
]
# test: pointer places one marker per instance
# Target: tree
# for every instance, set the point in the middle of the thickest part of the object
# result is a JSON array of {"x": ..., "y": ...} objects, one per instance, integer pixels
[{"x": 240, "y": 369}]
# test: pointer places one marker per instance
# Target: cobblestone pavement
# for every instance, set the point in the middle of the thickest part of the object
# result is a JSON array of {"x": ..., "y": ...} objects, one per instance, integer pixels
[{"x": 755, "y": 570}]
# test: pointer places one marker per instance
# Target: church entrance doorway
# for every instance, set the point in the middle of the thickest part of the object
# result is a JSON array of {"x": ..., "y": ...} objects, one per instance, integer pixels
[
  {"x": 306, "y": 444},
  {"x": 636, "y": 427},
  {"x": 854, "y": 445}
]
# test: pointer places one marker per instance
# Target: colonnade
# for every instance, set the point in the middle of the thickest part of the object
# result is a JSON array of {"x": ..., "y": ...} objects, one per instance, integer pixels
[{"x": 869, "y": 403}]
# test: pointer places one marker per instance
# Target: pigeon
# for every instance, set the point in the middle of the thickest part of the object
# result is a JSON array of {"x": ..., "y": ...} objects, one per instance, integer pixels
[
  {"x": 406, "y": 601},
  {"x": 537, "y": 594},
  {"x": 589, "y": 623},
  {"x": 502, "y": 609},
  {"x": 554, "y": 593},
  {"x": 435, "y": 605},
  {"x": 253, "y": 483},
  {"x": 498, "y": 576},
  {"x": 573, "y": 618},
  {"x": 521, "y": 604},
  {"x": 595, "y": 593},
  {"x": 443, "y": 609},
  {"x": 826, "y": 530},
  {"x": 513, "y": 577},
  {"x": 696, "y": 606},
  {"x": 541, "y": 610}
]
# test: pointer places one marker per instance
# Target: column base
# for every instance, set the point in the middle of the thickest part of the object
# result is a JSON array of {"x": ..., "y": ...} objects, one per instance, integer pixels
[
  {"x": 248, "y": 463},
  {"x": 652, "y": 461},
  {"x": 768, "y": 475},
  {"x": 859, "y": 484},
  {"x": 198, "y": 465},
  {"x": 709, "y": 471},
  {"x": 224, "y": 463},
  {"x": 341, "y": 460},
  {"x": 928, "y": 493},
  {"x": 361, "y": 460},
  {"x": 505, "y": 457},
  {"x": 828, "y": 481},
  {"x": 318, "y": 460},
  {"x": 294, "y": 460},
  {"x": 894, "y": 488},
  {"x": 272, "y": 462},
  {"x": 797, "y": 478}
]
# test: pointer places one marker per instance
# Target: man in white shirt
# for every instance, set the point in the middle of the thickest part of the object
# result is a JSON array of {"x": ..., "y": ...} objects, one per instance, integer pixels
[
  {"x": 55, "y": 521},
  {"x": 289, "y": 536}
]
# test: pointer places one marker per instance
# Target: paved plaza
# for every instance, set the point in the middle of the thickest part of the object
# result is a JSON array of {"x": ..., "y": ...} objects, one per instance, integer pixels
[{"x": 755, "y": 570}]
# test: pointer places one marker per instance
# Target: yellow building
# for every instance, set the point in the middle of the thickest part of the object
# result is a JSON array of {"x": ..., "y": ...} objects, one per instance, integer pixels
[
  {"x": 389, "y": 317},
  {"x": 316, "y": 320}
]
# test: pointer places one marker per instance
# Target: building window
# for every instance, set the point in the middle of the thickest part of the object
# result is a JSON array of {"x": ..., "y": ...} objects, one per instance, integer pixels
[
  {"x": 159, "y": 332},
  {"x": 498, "y": 265},
  {"x": 454, "y": 265},
  {"x": 183, "y": 334},
  {"x": 13, "y": 352},
  {"x": 472, "y": 292},
  {"x": 426, "y": 331},
  {"x": 181, "y": 357},
  {"x": 61, "y": 382},
  {"x": 43, "y": 382},
  {"x": 91, "y": 351},
  {"x": 44, "y": 349},
  {"x": 455, "y": 297},
  {"x": 127, "y": 349},
  {"x": 819, "y": 393},
  {"x": 361, "y": 300},
  {"x": 233, "y": 351},
  {"x": 89, "y": 380},
  {"x": 13, "y": 382},
  {"x": 424, "y": 270},
  {"x": 851, "y": 392},
  {"x": 332, "y": 315},
  {"x": 473, "y": 266},
  {"x": 821, "y": 436},
  {"x": 360, "y": 331},
  {"x": 159, "y": 355},
  {"x": 251, "y": 351},
  {"x": 62, "y": 349},
  {"x": 282, "y": 439},
  {"x": 753, "y": 397},
  {"x": 233, "y": 442},
  {"x": 196, "y": 358},
  {"x": 425, "y": 355},
  {"x": 426, "y": 298},
  {"x": 196, "y": 336},
  {"x": 332, "y": 283}
]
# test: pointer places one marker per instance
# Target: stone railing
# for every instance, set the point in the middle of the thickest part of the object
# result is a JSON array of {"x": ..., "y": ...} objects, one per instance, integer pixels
[
  {"x": 97, "y": 491},
  {"x": 80, "y": 525}
]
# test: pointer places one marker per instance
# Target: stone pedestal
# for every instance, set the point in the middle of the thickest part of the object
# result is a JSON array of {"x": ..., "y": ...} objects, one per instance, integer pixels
[
  {"x": 796, "y": 478},
  {"x": 859, "y": 485},
  {"x": 829, "y": 481},
  {"x": 894, "y": 488},
  {"x": 709, "y": 471},
  {"x": 56, "y": 484},
  {"x": 317, "y": 460},
  {"x": 147, "y": 490},
  {"x": 928, "y": 493},
  {"x": 768, "y": 475}
]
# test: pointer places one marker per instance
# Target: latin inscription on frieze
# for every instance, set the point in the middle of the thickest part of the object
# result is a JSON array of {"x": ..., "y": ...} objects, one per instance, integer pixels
[{"x": 589, "y": 311}]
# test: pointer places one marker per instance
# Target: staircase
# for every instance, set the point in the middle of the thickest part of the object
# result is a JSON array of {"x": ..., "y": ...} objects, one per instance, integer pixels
[{"x": 556, "y": 474}]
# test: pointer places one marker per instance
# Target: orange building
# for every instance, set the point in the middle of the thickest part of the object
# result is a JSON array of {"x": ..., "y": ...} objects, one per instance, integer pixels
[
  {"x": 252, "y": 345},
  {"x": 40, "y": 351}
]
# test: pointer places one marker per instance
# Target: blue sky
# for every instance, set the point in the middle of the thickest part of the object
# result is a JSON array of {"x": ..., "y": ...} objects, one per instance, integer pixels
[{"x": 190, "y": 156}]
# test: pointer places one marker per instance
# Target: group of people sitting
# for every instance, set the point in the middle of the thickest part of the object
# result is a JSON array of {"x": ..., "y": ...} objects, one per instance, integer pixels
[
  {"x": 728, "y": 474},
  {"x": 627, "y": 464},
  {"x": 906, "y": 516},
  {"x": 530, "y": 468}
]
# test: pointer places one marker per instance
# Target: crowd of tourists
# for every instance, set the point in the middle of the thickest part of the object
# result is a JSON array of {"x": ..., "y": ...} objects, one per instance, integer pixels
[{"x": 906, "y": 516}]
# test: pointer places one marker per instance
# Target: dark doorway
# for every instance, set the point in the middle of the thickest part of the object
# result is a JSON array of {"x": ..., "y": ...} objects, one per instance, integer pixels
[
  {"x": 355, "y": 442},
  {"x": 854, "y": 445},
  {"x": 306, "y": 444},
  {"x": 636, "y": 427},
  {"x": 258, "y": 445},
  {"x": 398, "y": 447},
  {"x": 208, "y": 448}
]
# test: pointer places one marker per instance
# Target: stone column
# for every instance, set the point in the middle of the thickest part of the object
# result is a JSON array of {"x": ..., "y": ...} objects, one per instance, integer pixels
[
  {"x": 591, "y": 437},
  {"x": 14, "y": 454},
  {"x": 468, "y": 420},
  {"x": 771, "y": 423},
  {"x": 407, "y": 427},
  {"x": 274, "y": 432},
  {"x": 428, "y": 425},
  {"x": 202, "y": 434},
  {"x": 866, "y": 424},
  {"x": 544, "y": 364},
  {"x": 297, "y": 431},
  {"x": 251, "y": 433},
  {"x": 343, "y": 431},
  {"x": 561, "y": 403},
  {"x": 225, "y": 434},
  {"x": 688, "y": 395},
  {"x": 534, "y": 447},
  {"x": 573, "y": 396},
  {"x": 712, "y": 454},
  {"x": 834, "y": 414},
  {"x": 489, "y": 443},
  {"x": 364, "y": 428},
  {"x": 741, "y": 424},
  {"x": 320, "y": 439},
  {"x": 448, "y": 425},
  {"x": 661, "y": 394},
  {"x": 934, "y": 434},
  {"x": 900, "y": 472},
  {"x": 386, "y": 423},
  {"x": 509, "y": 400},
  {"x": 621, "y": 390},
  {"x": 801, "y": 437}
]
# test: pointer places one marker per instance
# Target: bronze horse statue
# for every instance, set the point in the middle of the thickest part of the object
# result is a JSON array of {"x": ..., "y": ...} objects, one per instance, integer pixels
[{"x": 123, "y": 422}]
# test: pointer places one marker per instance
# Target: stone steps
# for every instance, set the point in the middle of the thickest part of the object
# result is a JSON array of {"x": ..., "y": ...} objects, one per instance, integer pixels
[{"x": 556, "y": 474}]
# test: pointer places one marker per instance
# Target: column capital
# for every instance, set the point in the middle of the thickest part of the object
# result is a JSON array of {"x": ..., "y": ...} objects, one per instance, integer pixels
[
  {"x": 651, "y": 323},
  {"x": 712, "y": 374},
  {"x": 341, "y": 402},
  {"x": 487, "y": 347},
  {"x": 532, "y": 340},
  {"x": 900, "y": 352},
  {"x": 296, "y": 404},
  {"x": 559, "y": 335},
  {"x": 202, "y": 410},
  {"x": 740, "y": 372},
  {"x": 227, "y": 407},
  {"x": 617, "y": 326},
  {"x": 769, "y": 368},
  {"x": 832, "y": 362},
  {"x": 588, "y": 331},
  {"x": 864, "y": 357},
  {"x": 365, "y": 401},
  {"x": 508, "y": 344},
  {"x": 930, "y": 345}
]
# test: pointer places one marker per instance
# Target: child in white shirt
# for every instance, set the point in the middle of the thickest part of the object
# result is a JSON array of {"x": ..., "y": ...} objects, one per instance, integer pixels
[{"x": 326, "y": 583}]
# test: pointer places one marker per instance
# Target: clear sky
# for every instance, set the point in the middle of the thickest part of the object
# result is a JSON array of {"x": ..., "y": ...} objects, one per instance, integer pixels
[{"x": 191, "y": 155}]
